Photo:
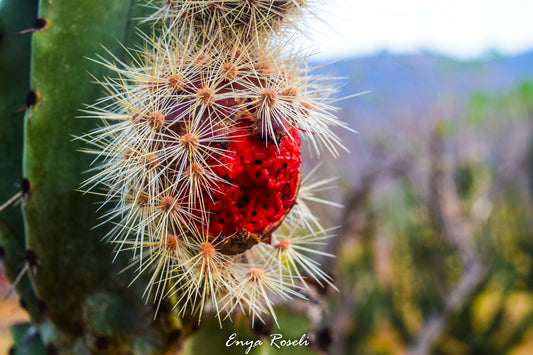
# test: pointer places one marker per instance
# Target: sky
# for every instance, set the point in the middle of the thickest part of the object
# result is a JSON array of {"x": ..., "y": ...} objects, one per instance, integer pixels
[{"x": 460, "y": 28}]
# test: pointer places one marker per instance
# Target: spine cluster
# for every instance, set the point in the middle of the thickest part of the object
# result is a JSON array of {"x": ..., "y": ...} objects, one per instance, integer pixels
[{"x": 198, "y": 152}]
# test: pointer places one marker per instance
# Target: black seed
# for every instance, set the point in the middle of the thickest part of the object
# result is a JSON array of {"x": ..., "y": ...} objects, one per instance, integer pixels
[
  {"x": 287, "y": 184},
  {"x": 224, "y": 145},
  {"x": 267, "y": 194},
  {"x": 101, "y": 341},
  {"x": 221, "y": 220},
  {"x": 284, "y": 165},
  {"x": 265, "y": 206},
  {"x": 239, "y": 204},
  {"x": 254, "y": 213},
  {"x": 259, "y": 161},
  {"x": 245, "y": 199}
]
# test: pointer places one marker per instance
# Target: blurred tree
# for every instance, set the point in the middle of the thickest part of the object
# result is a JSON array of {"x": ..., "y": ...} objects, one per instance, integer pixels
[{"x": 435, "y": 255}]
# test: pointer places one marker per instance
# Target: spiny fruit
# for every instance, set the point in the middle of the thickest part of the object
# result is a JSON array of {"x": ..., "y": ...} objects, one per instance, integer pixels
[
  {"x": 199, "y": 156},
  {"x": 251, "y": 18},
  {"x": 260, "y": 180}
]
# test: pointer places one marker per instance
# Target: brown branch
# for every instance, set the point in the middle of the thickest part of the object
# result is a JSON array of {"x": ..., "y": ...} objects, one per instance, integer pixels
[
  {"x": 446, "y": 212},
  {"x": 435, "y": 326}
]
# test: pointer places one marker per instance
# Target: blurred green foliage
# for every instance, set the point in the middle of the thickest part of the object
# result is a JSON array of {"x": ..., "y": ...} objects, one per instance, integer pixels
[{"x": 402, "y": 267}]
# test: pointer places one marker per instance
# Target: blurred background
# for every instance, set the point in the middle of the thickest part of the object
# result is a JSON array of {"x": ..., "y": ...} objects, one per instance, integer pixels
[
  {"x": 435, "y": 244},
  {"x": 435, "y": 241}
]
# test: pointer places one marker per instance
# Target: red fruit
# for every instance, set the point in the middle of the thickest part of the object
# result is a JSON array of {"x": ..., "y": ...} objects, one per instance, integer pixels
[{"x": 260, "y": 182}]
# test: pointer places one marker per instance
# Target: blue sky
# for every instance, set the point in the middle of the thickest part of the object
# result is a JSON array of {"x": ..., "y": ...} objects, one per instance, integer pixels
[{"x": 460, "y": 28}]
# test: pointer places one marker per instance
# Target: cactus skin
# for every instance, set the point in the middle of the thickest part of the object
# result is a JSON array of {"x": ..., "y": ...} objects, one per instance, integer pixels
[
  {"x": 84, "y": 305},
  {"x": 75, "y": 269},
  {"x": 51, "y": 162},
  {"x": 15, "y": 15}
]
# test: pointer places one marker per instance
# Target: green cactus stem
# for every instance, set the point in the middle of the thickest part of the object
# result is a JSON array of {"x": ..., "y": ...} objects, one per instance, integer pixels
[
  {"x": 76, "y": 279},
  {"x": 15, "y": 16}
]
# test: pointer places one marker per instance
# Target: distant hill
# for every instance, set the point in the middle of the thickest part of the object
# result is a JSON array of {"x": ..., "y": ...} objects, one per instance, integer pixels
[
  {"x": 403, "y": 81},
  {"x": 410, "y": 93}
]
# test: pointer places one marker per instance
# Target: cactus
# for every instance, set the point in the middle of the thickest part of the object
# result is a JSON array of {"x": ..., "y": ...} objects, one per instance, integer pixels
[
  {"x": 14, "y": 62},
  {"x": 199, "y": 157}
]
